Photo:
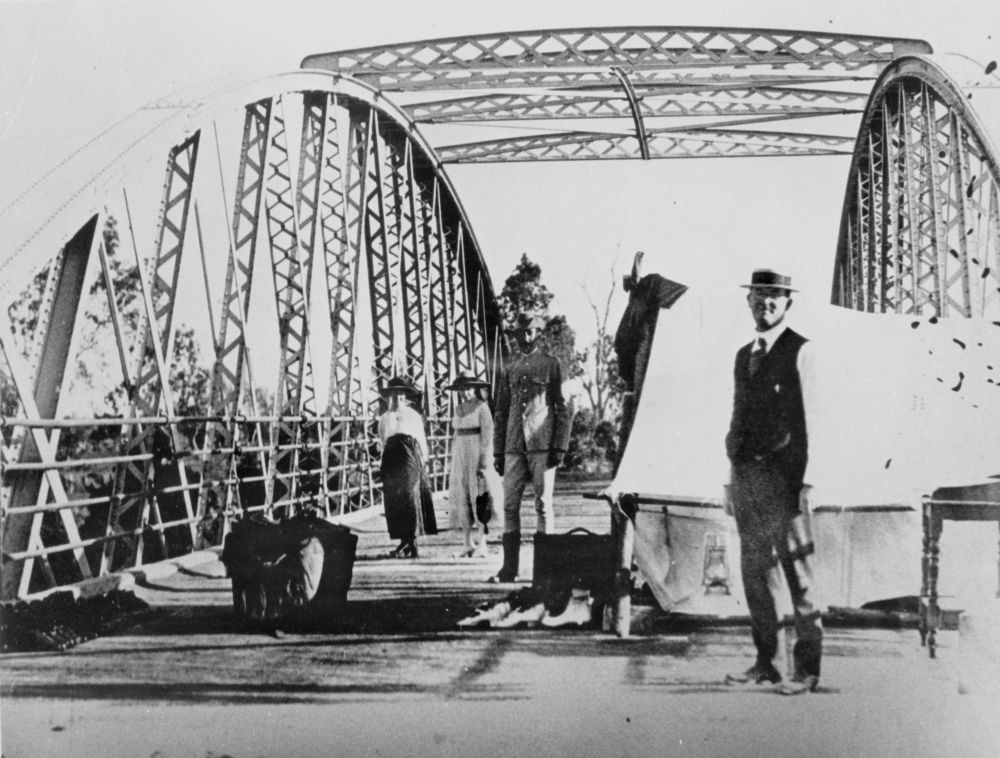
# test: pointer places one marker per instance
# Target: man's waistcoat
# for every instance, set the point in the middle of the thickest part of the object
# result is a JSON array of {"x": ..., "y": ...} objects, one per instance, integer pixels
[{"x": 769, "y": 420}]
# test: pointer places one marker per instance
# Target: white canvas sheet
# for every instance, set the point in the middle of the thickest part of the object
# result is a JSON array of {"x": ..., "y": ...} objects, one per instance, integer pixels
[{"x": 903, "y": 405}]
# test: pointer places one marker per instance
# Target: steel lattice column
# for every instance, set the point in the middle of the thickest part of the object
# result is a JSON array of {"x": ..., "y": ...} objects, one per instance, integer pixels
[
  {"x": 30, "y": 488},
  {"x": 347, "y": 461},
  {"x": 439, "y": 301},
  {"x": 137, "y": 481},
  {"x": 378, "y": 225},
  {"x": 223, "y": 440},
  {"x": 292, "y": 271}
]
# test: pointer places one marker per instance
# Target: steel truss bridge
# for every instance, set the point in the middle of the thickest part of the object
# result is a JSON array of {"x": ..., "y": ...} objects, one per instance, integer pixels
[{"x": 257, "y": 225}]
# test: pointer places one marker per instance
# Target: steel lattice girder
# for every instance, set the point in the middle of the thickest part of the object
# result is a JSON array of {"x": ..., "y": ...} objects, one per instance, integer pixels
[
  {"x": 919, "y": 232},
  {"x": 461, "y": 61},
  {"x": 643, "y": 74},
  {"x": 653, "y": 103},
  {"x": 714, "y": 143}
]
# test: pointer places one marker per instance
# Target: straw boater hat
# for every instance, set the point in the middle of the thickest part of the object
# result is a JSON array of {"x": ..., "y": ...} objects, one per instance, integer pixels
[
  {"x": 466, "y": 382},
  {"x": 765, "y": 277},
  {"x": 399, "y": 384}
]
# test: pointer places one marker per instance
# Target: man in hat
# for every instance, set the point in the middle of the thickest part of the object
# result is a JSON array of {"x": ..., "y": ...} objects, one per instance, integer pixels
[
  {"x": 767, "y": 446},
  {"x": 530, "y": 436}
]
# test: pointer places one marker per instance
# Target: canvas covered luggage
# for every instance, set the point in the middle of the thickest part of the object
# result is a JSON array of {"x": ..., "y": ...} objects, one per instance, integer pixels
[{"x": 293, "y": 573}]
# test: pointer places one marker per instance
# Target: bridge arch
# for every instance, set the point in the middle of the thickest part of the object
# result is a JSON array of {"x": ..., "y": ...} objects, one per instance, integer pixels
[
  {"x": 365, "y": 249},
  {"x": 360, "y": 231},
  {"x": 920, "y": 228}
]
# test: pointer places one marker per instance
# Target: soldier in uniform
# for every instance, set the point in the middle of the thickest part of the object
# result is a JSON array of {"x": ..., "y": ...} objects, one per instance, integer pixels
[{"x": 530, "y": 436}]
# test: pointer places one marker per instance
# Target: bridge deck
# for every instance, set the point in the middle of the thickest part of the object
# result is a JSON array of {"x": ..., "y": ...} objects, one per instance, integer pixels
[{"x": 403, "y": 680}]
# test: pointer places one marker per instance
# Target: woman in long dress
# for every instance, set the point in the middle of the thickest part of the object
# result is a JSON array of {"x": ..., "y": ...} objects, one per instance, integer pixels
[
  {"x": 471, "y": 458},
  {"x": 409, "y": 509}
]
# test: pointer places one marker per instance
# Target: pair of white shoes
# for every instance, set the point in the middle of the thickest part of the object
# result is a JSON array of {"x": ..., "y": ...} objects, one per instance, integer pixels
[
  {"x": 579, "y": 611},
  {"x": 503, "y": 615}
]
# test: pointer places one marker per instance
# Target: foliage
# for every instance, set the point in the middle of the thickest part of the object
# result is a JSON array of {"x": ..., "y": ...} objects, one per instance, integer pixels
[
  {"x": 523, "y": 292},
  {"x": 593, "y": 444},
  {"x": 596, "y": 429}
]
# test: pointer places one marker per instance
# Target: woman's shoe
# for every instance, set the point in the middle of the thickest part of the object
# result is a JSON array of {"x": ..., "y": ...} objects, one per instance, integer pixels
[
  {"x": 398, "y": 552},
  {"x": 410, "y": 551},
  {"x": 467, "y": 553}
]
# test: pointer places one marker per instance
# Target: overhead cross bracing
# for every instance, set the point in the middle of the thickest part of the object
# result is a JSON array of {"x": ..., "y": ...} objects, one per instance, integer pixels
[{"x": 720, "y": 86}]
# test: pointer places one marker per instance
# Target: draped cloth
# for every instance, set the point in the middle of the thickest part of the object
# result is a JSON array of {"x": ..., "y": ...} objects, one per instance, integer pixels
[
  {"x": 409, "y": 507},
  {"x": 634, "y": 338}
]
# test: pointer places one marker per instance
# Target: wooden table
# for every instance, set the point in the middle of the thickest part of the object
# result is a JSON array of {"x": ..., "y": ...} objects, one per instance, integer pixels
[{"x": 973, "y": 503}]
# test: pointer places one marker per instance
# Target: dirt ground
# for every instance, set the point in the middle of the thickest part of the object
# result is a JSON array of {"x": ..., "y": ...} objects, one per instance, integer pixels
[{"x": 399, "y": 678}]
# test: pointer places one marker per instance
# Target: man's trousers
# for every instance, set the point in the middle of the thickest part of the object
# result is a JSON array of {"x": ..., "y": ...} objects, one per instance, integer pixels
[
  {"x": 518, "y": 469},
  {"x": 773, "y": 533}
]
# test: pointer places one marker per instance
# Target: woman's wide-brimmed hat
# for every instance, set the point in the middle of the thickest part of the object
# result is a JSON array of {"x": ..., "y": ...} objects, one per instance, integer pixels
[
  {"x": 399, "y": 384},
  {"x": 466, "y": 382},
  {"x": 765, "y": 277}
]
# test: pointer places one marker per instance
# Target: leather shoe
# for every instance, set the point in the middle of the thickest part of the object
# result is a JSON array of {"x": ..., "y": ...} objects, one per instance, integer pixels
[
  {"x": 798, "y": 685},
  {"x": 756, "y": 674}
]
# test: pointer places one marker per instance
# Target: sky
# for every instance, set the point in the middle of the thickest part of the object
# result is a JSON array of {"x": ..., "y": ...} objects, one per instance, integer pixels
[{"x": 68, "y": 70}]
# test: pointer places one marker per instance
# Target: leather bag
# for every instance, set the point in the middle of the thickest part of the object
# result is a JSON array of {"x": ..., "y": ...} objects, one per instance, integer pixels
[
  {"x": 484, "y": 504},
  {"x": 577, "y": 559}
]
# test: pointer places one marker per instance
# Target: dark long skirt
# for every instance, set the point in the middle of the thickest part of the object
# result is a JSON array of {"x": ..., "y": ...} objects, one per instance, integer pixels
[{"x": 409, "y": 508}]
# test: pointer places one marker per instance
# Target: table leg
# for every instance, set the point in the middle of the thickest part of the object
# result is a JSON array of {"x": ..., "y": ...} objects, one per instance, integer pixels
[
  {"x": 624, "y": 536},
  {"x": 924, "y": 565},
  {"x": 933, "y": 612}
]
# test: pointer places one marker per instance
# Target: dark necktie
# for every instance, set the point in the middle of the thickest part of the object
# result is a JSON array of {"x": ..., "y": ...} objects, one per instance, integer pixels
[{"x": 757, "y": 355}]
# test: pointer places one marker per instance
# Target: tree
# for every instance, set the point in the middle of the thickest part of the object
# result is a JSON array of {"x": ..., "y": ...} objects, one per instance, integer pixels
[
  {"x": 523, "y": 292},
  {"x": 599, "y": 363},
  {"x": 594, "y": 440}
]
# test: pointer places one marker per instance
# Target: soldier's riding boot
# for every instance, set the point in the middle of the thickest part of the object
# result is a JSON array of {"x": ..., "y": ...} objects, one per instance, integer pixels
[{"x": 511, "y": 558}]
